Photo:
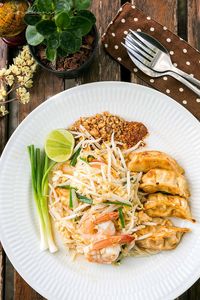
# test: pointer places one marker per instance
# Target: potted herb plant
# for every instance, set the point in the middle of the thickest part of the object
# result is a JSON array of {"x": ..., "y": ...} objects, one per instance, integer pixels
[{"x": 62, "y": 35}]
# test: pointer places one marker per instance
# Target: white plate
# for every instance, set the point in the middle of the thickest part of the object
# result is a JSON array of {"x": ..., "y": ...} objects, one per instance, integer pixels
[{"x": 172, "y": 129}]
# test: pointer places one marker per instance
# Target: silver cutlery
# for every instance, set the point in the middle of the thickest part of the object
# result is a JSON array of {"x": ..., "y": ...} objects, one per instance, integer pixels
[{"x": 154, "y": 60}]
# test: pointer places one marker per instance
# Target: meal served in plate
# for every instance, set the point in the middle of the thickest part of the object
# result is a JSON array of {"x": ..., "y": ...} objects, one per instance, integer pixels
[{"x": 107, "y": 200}]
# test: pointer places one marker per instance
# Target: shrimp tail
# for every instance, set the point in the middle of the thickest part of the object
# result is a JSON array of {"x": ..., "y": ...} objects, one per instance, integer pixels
[{"x": 112, "y": 241}]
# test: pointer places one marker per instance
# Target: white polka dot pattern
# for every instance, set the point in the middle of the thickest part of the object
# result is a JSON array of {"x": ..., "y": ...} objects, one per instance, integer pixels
[{"x": 182, "y": 54}]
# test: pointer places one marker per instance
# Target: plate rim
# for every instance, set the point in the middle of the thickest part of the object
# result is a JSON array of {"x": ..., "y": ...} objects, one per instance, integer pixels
[{"x": 8, "y": 249}]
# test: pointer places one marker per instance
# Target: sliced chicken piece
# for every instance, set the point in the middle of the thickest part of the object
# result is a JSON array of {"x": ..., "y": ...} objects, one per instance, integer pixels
[
  {"x": 165, "y": 181},
  {"x": 163, "y": 205},
  {"x": 147, "y": 160}
]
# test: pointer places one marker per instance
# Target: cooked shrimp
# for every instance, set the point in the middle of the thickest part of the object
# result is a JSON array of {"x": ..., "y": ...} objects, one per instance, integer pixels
[
  {"x": 107, "y": 250},
  {"x": 89, "y": 224}
]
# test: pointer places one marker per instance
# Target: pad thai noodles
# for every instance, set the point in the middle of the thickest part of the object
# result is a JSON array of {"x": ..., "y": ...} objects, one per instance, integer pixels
[{"x": 99, "y": 208}]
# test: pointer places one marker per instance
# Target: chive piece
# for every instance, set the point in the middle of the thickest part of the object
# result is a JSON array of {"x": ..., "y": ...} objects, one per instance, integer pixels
[
  {"x": 74, "y": 157},
  {"x": 121, "y": 217},
  {"x": 66, "y": 187},
  {"x": 118, "y": 203},
  {"x": 70, "y": 199},
  {"x": 84, "y": 199}
]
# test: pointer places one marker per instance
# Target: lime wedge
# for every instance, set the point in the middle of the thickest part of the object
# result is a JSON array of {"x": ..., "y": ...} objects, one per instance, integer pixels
[{"x": 59, "y": 145}]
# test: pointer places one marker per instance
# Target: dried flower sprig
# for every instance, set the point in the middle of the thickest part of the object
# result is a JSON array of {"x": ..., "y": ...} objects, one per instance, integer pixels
[{"x": 17, "y": 78}]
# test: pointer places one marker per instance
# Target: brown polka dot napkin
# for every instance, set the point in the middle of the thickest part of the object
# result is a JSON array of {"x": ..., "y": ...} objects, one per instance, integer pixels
[{"x": 182, "y": 54}]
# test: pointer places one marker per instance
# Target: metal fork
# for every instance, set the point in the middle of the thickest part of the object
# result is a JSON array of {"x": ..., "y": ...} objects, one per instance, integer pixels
[{"x": 152, "y": 54}]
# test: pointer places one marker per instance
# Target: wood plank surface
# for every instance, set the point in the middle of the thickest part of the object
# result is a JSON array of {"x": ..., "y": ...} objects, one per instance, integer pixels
[{"x": 3, "y": 136}]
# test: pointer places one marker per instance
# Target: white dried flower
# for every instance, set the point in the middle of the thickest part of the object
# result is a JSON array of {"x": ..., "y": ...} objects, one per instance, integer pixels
[
  {"x": 3, "y": 111},
  {"x": 3, "y": 93},
  {"x": 2, "y": 72},
  {"x": 9, "y": 79},
  {"x": 23, "y": 95},
  {"x": 19, "y": 77},
  {"x": 15, "y": 70}
]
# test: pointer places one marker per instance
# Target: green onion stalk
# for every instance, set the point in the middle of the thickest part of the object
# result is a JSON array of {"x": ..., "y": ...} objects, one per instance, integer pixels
[{"x": 40, "y": 168}]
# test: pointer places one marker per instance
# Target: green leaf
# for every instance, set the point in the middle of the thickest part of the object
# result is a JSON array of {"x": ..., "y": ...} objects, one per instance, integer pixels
[
  {"x": 78, "y": 43},
  {"x": 62, "y": 20},
  {"x": 46, "y": 27},
  {"x": 81, "y": 23},
  {"x": 54, "y": 40},
  {"x": 32, "y": 19},
  {"x": 88, "y": 15},
  {"x": 51, "y": 54},
  {"x": 117, "y": 203},
  {"x": 121, "y": 217},
  {"x": 33, "y": 37},
  {"x": 68, "y": 44},
  {"x": 66, "y": 38},
  {"x": 82, "y": 4},
  {"x": 61, "y": 5},
  {"x": 61, "y": 52},
  {"x": 45, "y": 5},
  {"x": 84, "y": 199}
]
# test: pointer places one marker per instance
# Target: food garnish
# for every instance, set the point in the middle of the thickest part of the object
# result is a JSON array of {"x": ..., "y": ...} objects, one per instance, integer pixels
[
  {"x": 59, "y": 145},
  {"x": 40, "y": 168}
]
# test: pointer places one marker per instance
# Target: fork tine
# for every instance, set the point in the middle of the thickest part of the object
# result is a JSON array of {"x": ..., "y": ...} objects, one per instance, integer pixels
[
  {"x": 138, "y": 46},
  {"x": 131, "y": 53},
  {"x": 137, "y": 54},
  {"x": 143, "y": 41}
]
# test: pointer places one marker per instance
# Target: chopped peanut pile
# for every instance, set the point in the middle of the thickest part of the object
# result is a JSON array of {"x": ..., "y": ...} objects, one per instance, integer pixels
[{"x": 103, "y": 125}]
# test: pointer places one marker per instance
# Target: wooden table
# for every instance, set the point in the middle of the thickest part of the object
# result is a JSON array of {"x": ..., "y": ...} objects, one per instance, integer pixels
[{"x": 180, "y": 16}]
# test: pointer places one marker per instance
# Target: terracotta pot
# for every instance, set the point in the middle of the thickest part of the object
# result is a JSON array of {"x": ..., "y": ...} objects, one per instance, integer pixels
[{"x": 69, "y": 74}]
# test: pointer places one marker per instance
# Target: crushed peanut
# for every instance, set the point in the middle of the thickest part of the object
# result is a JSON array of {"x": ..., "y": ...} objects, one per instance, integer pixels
[{"x": 104, "y": 124}]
